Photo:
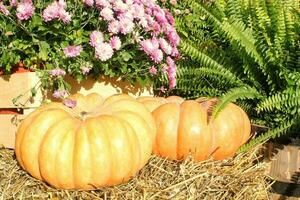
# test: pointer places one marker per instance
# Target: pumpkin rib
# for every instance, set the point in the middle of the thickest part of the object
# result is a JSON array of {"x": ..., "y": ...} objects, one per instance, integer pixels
[
  {"x": 50, "y": 132},
  {"x": 32, "y": 133},
  {"x": 99, "y": 133},
  {"x": 58, "y": 153},
  {"x": 137, "y": 137}
]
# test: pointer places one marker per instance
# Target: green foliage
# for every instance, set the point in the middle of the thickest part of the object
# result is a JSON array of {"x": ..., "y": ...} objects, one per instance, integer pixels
[{"x": 252, "y": 58}]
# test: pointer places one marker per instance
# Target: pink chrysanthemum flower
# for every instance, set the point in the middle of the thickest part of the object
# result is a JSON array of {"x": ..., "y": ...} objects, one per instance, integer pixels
[
  {"x": 114, "y": 27},
  {"x": 57, "y": 72},
  {"x": 115, "y": 42},
  {"x": 96, "y": 38},
  {"x": 56, "y": 10},
  {"x": 59, "y": 94},
  {"x": 89, "y": 2},
  {"x": 165, "y": 46},
  {"x": 107, "y": 14},
  {"x": 3, "y": 9},
  {"x": 70, "y": 103},
  {"x": 104, "y": 52},
  {"x": 152, "y": 70},
  {"x": 164, "y": 68},
  {"x": 25, "y": 10},
  {"x": 72, "y": 51},
  {"x": 147, "y": 46},
  {"x": 126, "y": 25},
  {"x": 13, "y": 3},
  {"x": 102, "y": 3},
  {"x": 157, "y": 55}
]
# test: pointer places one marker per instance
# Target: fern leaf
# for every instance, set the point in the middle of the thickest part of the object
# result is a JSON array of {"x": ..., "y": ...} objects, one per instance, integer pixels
[
  {"x": 276, "y": 132},
  {"x": 234, "y": 94}
]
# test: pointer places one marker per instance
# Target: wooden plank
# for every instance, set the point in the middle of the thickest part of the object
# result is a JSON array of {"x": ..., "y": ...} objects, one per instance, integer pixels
[
  {"x": 16, "y": 84},
  {"x": 8, "y": 128}
]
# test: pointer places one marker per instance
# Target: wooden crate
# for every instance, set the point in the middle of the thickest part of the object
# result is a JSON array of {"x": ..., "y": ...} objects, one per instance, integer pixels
[{"x": 21, "y": 83}]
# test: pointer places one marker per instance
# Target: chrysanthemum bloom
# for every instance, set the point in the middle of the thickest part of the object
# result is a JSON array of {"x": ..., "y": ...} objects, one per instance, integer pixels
[
  {"x": 25, "y": 10},
  {"x": 85, "y": 69},
  {"x": 13, "y": 3},
  {"x": 157, "y": 55},
  {"x": 126, "y": 25},
  {"x": 165, "y": 46},
  {"x": 115, "y": 42},
  {"x": 3, "y": 9},
  {"x": 72, "y": 51},
  {"x": 114, "y": 27},
  {"x": 152, "y": 70},
  {"x": 96, "y": 38},
  {"x": 89, "y": 2},
  {"x": 59, "y": 94},
  {"x": 104, "y": 52},
  {"x": 107, "y": 14},
  {"x": 57, "y": 10},
  {"x": 57, "y": 72},
  {"x": 147, "y": 46},
  {"x": 70, "y": 103}
]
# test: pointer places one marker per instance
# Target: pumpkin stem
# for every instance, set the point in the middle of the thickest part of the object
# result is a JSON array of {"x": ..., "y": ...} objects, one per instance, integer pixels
[{"x": 83, "y": 115}]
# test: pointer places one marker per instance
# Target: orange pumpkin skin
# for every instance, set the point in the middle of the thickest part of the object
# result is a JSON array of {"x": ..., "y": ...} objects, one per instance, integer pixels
[
  {"x": 185, "y": 127},
  {"x": 101, "y": 142}
]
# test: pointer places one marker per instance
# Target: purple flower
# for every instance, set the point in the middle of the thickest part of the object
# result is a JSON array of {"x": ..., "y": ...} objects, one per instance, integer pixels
[
  {"x": 165, "y": 46},
  {"x": 13, "y": 3},
  {"x": 164, "y": 69},
  {"x": 57, "y": 72},
  {"x": 114, "y": 27},
  {"x": 59, "y": 94},
  {"x": 152, "y": 70},
  {"x": 157, "y": 55},
  {"x": 173, "y": 37},
  {"x": 104, "y": 52},
  {"x": 85, "y": 70},
  {"x": 126, "y": 25},
  {"x": 3, "y": 9},
  {"x": 56, "y": 10},
  {"x": 96, "y": 38},
  {"x": 25, "y": 10},
  {"x": 115, "y": 42},
  {"x": 169, "y": 17},
  {"x": 89, "y": 2},
  {"x": 107, "y": 14},
  {"x": 70, "y": 103},
  {"x": 72, "y": 51}
]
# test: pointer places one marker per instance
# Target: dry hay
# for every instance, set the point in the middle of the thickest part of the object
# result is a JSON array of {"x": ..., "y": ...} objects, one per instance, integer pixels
[{"x": 239, "y": 178}]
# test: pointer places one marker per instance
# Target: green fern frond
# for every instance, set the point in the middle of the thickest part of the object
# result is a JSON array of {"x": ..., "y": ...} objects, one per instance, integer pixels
[
  {"x": 234, "y": 94},
  {"x": 273, "y": 133},
  {"x": 280, "y": 101},
  {"x": 238, "y": 33},
  {"x": 212, "y": 17},
  {"x": 220, "y": 78}
]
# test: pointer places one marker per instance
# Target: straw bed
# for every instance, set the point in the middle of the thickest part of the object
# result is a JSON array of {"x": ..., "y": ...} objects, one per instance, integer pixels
[{"x": 239, "y": 178}]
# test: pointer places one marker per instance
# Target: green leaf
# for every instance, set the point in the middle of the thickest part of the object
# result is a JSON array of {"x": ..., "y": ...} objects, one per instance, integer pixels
[
  {"x": 126, "y": 56},
  {"x": 44, "y": 49}
]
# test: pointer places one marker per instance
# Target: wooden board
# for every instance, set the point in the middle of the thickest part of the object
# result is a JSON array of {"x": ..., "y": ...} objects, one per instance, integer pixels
[
  {"x": 8, "y": 127},
  {"x": 14, "y": 85}
]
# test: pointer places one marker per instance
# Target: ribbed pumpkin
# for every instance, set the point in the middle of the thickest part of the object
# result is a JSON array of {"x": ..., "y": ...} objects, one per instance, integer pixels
[
  {"x": 186, "y": 128},
  {"x": 100, "y": 142}
]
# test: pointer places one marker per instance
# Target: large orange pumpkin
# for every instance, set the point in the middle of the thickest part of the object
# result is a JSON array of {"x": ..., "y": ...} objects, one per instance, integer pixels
[
  {"x": 100, "y": 142},
  {"x": 187, "y": 128}
]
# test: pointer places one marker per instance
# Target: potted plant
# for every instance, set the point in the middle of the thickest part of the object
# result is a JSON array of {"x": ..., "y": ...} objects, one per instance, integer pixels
[
  {"x": 247, "y": 52},
  {"x": 132, "y": 40}
]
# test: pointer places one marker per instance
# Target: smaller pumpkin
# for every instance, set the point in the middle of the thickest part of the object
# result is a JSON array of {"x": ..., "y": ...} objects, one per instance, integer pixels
[
  {"x": 186, "y": 127},
  {"x": 100, "y": 142}
]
